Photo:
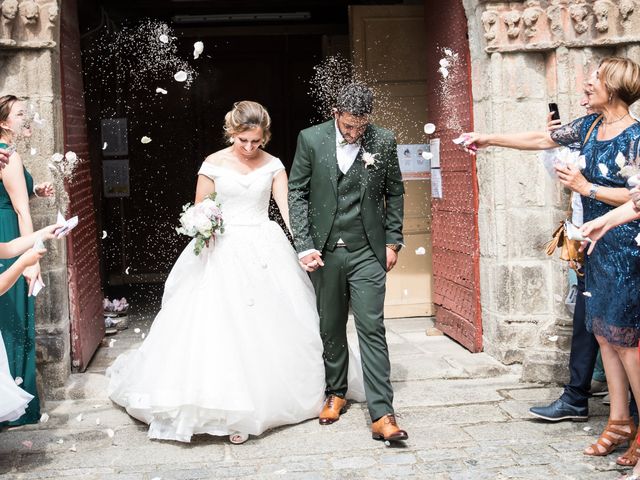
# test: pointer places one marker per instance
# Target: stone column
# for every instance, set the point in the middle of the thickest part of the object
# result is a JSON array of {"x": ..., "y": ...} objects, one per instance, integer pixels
[
  {"x": 29, "y": 68},
  {"x": 524, "y": 55}
]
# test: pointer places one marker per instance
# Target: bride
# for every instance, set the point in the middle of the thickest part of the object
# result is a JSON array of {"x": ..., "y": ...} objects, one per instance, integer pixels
[{"x": 235, "y": 349}]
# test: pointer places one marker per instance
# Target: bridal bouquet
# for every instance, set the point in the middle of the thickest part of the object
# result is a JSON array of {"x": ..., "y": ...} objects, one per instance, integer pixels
[{"x": 201, "y": 221}]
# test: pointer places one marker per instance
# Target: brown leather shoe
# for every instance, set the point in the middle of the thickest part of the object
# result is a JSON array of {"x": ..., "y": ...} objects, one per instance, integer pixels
[
  {"x": 332, "y": 409},
  {"x": 386, "y": 428}
]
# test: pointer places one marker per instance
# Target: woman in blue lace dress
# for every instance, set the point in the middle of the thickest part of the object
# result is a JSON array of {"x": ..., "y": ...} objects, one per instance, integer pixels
[{"x": 610, "y": 148}]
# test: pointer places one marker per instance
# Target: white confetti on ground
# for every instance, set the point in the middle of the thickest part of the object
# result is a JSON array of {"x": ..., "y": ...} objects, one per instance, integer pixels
[
  {"x": 143, "y": 335},
  {"x": 181, "y": 76},
  {"x": 60, "y": 441},
  {"x": 73, "y": 448},
  {"x": 97, "y": 405},
  {"x": 587, "y": 429},
  {"x": 420, "y": 251},
  {"x": 136, "y": 330},
  {"x": 34, "y": 151},
  {"x": 112, "y": 342},
  {"x": 145, "y": 140},
  {"x": 110, "y": 433},
  {"x": 586, "y": 294},
  {"x": 161, "y": 90},
  {"x": 79, "y": 418},
  {"x": 98, "y": 421},
  {"x": 44, "y": 418},
  {"x": 198, "y": 48},
  {"x": 553, "y": 338},
  {"x": 27, "y": 443}
]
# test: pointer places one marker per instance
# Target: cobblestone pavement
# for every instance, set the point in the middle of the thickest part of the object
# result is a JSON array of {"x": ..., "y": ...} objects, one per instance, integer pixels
[{"x": 466, "y": 415}]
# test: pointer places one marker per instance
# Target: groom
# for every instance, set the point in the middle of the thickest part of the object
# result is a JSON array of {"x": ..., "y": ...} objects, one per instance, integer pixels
[{"x": 346, "y": 205}]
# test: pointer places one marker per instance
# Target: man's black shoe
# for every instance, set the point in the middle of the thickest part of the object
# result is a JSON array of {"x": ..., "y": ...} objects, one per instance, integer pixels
[{"x": 560, "y": 410}]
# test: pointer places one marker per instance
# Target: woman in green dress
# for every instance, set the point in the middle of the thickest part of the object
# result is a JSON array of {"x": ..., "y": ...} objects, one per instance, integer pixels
[{"x": 17, "y": 321}]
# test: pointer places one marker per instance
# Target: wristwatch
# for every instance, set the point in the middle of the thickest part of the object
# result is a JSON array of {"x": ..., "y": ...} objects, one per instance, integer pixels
[
  {"x": 592, "y": 191},
  {"x": 394, "y": 246}
]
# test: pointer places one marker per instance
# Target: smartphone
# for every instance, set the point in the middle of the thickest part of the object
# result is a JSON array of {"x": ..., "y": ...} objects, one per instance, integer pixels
[{"x": 555, "y": 113}]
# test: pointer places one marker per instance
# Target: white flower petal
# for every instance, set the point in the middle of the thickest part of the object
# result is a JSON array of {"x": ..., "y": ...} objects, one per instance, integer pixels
[
  {"x": 180, "y": 76},
  {"x": 198, "y": 48},
  {"x": 429, "y": 128}
]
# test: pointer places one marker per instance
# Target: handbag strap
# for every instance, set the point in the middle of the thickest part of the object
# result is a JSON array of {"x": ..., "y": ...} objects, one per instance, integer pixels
[{"x": 590, "y": 131}]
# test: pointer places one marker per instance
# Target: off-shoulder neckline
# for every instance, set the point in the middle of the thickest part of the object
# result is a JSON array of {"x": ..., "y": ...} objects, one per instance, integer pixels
[{"x": 228, "y": 169}]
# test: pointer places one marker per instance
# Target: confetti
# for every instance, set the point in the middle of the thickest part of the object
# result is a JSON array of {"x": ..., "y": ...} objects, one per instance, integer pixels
[
  {"x": 164, "y": 38},
  {"x": 112, "y": 342},
  {"x": 98, "y": 421},
  {"x": 420, "y": 251},
  {"x": 553, "y": 338},
  {"x": 587, "y": 294},
  {"x": 79, "y": 418},
  {"x": 603, "y": 169},
  {"x": 429, "y": 128},
  {"x": 60, "y": 441},
  {"x": 70, "y": 156},
  {"x": 34, "y": 151},
  {"x": 145, "y": 140},
  {"x": 104, "y": 146},
  {"x": 73, "y": 448},
  {"x": 161, "y": 90},
  {"x": 110, "y": 433},
  {"x": 126, "y": 271},
  {"x": 181, "y": 76},
  {"x": 27, "y": 443},
  {"x": 557, "y": 298},
  {"x": 444, "y": 63},
  {"x": 143, "y": 335},
  {"x": 136, "y": 330},
  {"x": 18, "y": 380},
  {"x": 427, "y": 155},
  {"x": 104, "y": 234},
  {"x": 37, "y": 120},
  {"x": 638, "y": 239},
  {"x": 198, "y": 48},
  {"x": 97, "y": 405},
  {"x": 587, "y": 429},
  {"x": 44, "y": 418}
]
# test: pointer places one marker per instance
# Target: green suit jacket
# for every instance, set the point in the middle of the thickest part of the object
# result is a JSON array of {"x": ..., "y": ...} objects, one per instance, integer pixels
[{"x": 313, "y": 197}]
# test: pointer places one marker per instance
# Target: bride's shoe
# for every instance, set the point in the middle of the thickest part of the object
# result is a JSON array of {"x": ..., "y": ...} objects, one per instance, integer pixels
[{"x": 238, "y": 438}]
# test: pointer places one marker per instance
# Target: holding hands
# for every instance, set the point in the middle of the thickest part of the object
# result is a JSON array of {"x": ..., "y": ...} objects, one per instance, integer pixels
[{"x": 312, "y": 262}]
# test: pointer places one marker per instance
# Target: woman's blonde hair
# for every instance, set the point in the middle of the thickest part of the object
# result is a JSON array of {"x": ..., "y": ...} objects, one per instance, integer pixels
[
  {"x": 621, "y": 77},
  {"x": 6, "y": 104},
  {"x": 247, "y": 115}
]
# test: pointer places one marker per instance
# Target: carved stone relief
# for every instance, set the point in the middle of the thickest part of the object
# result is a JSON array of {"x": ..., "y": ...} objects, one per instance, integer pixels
[
  {"x": 547, "y": 24},
  {"x": 28, "y": 23}
]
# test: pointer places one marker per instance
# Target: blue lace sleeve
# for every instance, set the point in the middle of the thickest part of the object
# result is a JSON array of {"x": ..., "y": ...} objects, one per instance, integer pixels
[{"x": 572, "y": 134}]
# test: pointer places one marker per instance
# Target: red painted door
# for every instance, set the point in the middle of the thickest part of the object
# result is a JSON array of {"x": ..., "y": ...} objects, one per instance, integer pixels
[
  {"x": 455, "y": 217},
  {"x": 83, "y": 267}
]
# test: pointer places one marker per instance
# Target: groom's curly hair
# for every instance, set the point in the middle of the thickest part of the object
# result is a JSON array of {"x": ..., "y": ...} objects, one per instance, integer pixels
[{"x": 356, "y": 99}]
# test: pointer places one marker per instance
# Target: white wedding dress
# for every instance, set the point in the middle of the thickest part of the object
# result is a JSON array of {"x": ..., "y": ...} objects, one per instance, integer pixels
[
  {"x": 236, "y": 345},
  {"x": 13, "y": 399}
]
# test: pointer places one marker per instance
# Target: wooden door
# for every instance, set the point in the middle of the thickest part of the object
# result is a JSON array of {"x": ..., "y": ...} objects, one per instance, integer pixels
[{"x": 388, "y": 44}]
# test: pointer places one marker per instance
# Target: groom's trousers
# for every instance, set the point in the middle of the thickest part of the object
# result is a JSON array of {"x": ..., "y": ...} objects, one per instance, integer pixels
[{"x": 357, "y": 278}]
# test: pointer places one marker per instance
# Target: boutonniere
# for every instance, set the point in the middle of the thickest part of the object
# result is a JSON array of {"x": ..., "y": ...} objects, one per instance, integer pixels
[{"x": 369, "y": 159}]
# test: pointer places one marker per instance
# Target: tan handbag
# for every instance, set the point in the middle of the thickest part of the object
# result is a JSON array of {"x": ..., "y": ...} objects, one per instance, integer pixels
[{"x": 569, "y": 249}]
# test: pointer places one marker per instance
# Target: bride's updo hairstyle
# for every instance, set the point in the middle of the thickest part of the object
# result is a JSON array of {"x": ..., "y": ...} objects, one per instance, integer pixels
[{"x": 247, "y": 115}]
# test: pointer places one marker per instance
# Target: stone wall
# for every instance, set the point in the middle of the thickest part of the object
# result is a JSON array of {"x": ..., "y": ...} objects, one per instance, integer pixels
[
  {"x": 524, "y": 55},
  {"x": 29, "y": 68}
]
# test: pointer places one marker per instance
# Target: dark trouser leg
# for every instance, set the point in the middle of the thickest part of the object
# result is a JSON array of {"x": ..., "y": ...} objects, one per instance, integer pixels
[
  {"x": 584, "y": 349},
  {"x": 367, "y": 280},
  {"x": 332, "y": 297}
]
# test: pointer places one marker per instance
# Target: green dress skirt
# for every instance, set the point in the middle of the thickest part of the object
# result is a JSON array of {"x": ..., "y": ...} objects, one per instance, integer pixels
[{"x": 17, "y": 320}]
